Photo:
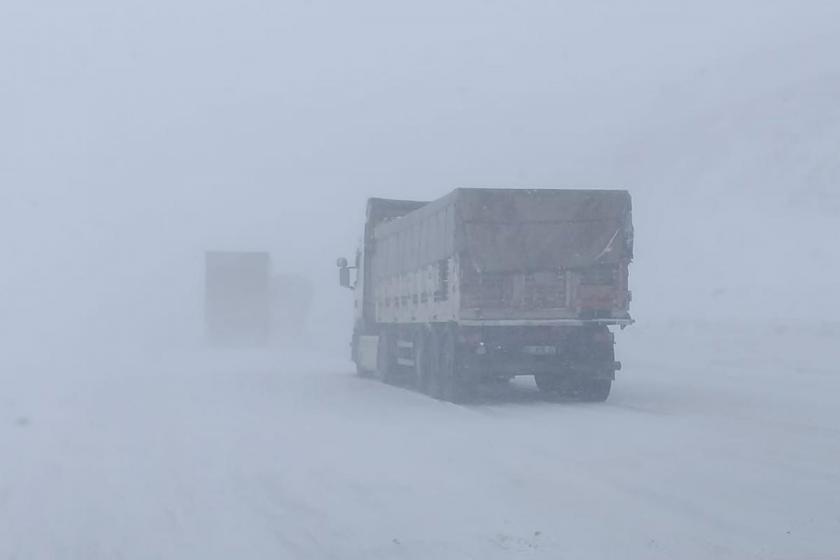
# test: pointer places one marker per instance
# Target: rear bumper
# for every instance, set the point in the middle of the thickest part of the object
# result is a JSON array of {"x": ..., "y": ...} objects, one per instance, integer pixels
[
  {"x": 512, "y": 366},
  {"x": 623, "y": 322}
]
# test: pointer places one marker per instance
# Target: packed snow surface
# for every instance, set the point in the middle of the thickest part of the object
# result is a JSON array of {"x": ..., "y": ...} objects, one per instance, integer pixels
[{"x": 719, "y": 441}]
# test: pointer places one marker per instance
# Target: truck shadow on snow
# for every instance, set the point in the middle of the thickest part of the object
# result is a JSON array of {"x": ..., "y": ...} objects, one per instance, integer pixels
[{"x": 514, "y": 392}]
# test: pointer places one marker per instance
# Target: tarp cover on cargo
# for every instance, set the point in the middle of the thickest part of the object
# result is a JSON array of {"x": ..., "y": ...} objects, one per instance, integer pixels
[{"x": 532, "y": 230}]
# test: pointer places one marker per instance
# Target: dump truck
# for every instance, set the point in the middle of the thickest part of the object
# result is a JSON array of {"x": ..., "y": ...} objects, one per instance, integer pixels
[{"x": 484, "y": 285}]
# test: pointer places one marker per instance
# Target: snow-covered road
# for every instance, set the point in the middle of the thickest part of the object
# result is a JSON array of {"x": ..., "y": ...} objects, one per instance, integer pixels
[{"x": 716, "y": 443}]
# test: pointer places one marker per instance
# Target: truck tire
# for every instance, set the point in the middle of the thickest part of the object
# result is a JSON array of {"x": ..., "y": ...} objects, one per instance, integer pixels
[
  {"x": 422, "y": 362},
  {"x": 456, "y": 386},
  {"x": 587, "y": 390},
  {"x": 547, "y": 383},
  {"x": 386, "y": 357},
  {"x": 595, "y": 390}
]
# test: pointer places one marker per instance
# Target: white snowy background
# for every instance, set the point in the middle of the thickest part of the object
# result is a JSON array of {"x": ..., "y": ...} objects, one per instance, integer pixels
[{"x": 135, "y": 135}]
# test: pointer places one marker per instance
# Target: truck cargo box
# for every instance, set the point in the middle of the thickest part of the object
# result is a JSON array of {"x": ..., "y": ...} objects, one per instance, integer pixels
[{"x": 504, "y": 256}]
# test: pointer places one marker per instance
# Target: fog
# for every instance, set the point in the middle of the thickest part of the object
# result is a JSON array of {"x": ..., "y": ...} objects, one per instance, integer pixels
[{"x": 134, "y": 136}]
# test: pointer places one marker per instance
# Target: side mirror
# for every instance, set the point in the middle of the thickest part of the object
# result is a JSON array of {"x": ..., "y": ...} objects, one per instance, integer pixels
[
  {"x": 344, "y": 277},
  {"x": 343, "y": 272}
]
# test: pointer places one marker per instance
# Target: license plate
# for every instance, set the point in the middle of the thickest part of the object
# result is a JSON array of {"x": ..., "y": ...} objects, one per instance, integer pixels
[{"x": 540, "y": 350}]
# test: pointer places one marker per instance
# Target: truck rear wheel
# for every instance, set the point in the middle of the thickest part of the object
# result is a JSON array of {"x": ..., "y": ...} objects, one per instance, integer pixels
[
  {"x": 455, "y": 384},
  {"x": 595, "y": 390},
  {"x": 548, "y": 383},
  {"x": 587, "y": 390}
]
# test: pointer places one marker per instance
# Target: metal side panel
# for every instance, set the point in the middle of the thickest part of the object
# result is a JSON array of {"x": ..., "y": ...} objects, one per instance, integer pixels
[{"x": 368, "y": 351}]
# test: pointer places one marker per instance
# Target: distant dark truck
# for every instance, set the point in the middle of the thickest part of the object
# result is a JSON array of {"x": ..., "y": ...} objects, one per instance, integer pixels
[
  {"x": 237, "y": 298},
  {"x": 488, "y": 284}
]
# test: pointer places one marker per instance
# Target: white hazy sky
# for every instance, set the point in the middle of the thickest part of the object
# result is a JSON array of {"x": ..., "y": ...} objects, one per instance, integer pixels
[{"x": 135, "y": 134}]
